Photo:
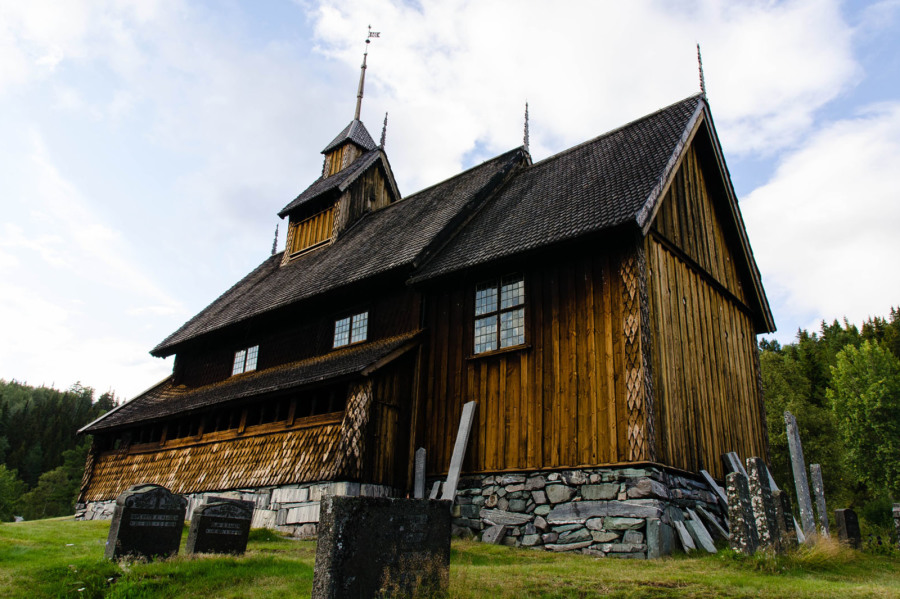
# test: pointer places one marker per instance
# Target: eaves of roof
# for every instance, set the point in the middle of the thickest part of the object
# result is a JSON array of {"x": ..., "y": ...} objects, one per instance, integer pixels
[{"x": 166, "y": 399}]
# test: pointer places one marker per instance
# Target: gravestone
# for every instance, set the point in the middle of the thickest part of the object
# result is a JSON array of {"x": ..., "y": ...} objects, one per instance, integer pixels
[
  {"x": 419, "y": 480},
  {"x": 798, "y": 465},
  {"x": 815, "y": 471},
  {"x": 147, "y": 522},
  {"x": 762, "y": 504},
  {"x": 381, "y": 546},
  {"x": 459, "y": 450},
  {"x": 220, "y": 526},
  {"x": 740, "y": 515},
  {"x": 848, "y": 527},
  {"x": 896, "y": 514},
  {"x": 781, "y": 524}
]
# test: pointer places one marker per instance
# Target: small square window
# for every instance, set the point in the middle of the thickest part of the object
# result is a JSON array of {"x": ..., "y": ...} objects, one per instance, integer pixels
[
  {"x": 352, "y": 329},
  {"x": 245, "y": 360}
]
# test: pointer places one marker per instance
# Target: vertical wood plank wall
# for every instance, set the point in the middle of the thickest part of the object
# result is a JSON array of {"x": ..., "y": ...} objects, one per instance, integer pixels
[
  {"x": 558, "y": 403},
  {"x": 705, "y": 384},
  {"x": 689, "y": 220},
  {"x": 703, "y": 338},
  {"x": 388, "y": 434}
]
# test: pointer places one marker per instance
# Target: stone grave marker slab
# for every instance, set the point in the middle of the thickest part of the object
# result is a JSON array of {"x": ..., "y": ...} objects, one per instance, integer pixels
[
  {"x": 381, "y": 546},
  {"x": 896, "y": 513},
  {"x": 815, "y": 472},
  {"x": 763, "y": 505},
  {"x": 801, "y": 483},
  {"x": 220, "y": 526},
  {"x": 147, "y": 522},
  {"x": 848, "y": 527},
  {"x": 741, "y": 524}
]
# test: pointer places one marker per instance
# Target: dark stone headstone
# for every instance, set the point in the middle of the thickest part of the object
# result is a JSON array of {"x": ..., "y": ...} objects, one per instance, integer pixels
[
  {"x": 147, "y": 522},
  {"x": 762, "y": 504},
  {"x": 848, "y": 527},
  {"x": 380, "y": 546},
  {"x": 220, "y": 526},
  {"x": 744, "y": 538}
]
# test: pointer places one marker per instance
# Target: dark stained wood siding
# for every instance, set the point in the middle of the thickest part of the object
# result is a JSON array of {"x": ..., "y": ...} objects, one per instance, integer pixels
[
  {"x": 300, "y": 333},
  {"x": 366, "y": 194},
  {"x": 389, "y": 423},
  {"x": 560, "y": 401},
  {"x": 689, "y": 220},
  {"x": 704, "y": 366}
]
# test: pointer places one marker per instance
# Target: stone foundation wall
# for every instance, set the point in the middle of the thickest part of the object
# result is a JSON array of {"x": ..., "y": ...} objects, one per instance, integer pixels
[
  {"x": 614, "y": 512},
  {"x": 292, "y": 509}
]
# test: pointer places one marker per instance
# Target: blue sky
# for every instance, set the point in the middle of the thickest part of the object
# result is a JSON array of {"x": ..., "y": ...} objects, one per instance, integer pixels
[{"x": 147, "y": 146}]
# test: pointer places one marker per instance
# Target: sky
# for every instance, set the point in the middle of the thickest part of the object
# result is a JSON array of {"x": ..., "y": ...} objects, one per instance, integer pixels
[{"x": 146, "y": 146}]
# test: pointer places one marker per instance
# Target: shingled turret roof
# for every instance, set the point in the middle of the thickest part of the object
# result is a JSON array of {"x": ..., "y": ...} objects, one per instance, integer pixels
[
  {"x": 355, "y": 132},
  {"x": 339, "y": 181}
]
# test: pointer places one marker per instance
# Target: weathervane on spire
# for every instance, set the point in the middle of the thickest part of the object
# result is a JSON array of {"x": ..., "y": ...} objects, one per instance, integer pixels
[
  {"x": 525, "y": 138},
  {"x": 362, "y": 75},
  {"x": 700, "y": 66}
]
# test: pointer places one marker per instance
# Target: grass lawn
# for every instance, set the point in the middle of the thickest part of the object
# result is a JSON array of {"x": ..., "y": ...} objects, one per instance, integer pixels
[{"x": 63, "y": 558}]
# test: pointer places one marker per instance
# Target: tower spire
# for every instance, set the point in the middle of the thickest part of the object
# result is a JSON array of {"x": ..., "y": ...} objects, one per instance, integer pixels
[
  {"x": 275, "y": 241},
  {"x": 700, "y": 67},
  {"x": 525, "y": 139},
  {"x": 362, "y": 74},
  {"x": 384, "y": 131}
]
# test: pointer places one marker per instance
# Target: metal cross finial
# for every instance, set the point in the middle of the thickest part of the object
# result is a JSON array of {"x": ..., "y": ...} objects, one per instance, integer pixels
[
  {"x": 525, "y": 139},
  {"x": 275, "y": 241},
  {"x": 362, "y": 75},
  {"x": 700, "y": 66},
  {"x": 384, "y": 130}
]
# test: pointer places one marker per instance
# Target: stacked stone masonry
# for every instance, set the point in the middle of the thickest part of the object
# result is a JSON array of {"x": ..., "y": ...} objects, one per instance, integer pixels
[
  {"x": 291, "y": 509},
  {"x": 614, "y": 512}
]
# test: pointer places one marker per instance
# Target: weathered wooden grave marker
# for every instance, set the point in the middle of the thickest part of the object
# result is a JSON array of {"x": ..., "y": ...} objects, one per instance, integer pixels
[
  {"x": 419, "y": 485},
  {"x": 459, "y": 450}
]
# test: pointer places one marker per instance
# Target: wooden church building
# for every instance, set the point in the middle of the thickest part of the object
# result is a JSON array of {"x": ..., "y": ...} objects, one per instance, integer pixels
[{"x": 601, "y": 306}]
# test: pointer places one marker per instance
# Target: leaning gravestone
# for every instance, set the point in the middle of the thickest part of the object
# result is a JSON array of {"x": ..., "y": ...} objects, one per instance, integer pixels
[
  {"x": 848, "y": 527},
  {"x": 381, "y": 546},
  {"x": 815, "y": 472},
  {"x": 220, "y": 526},
  {"x": 798, "y": 465},
  {"x": 744, "y": 538},
  {"x": 147, "y": 522}
]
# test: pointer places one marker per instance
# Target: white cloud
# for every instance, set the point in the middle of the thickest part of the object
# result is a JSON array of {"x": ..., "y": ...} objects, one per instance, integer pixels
[{"x": 825, "y": 227}]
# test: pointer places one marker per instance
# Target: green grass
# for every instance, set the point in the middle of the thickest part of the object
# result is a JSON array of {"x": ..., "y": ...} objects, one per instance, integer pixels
[{"x": 62, "y": 558}]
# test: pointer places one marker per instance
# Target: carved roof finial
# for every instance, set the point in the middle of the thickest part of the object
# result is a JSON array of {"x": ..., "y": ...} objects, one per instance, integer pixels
[
  {"x": 275, "y": 241},
  {"x": 362, "y": 74},
  {"x": 700, "y": 66},
  {"x": 384, "y": 131},
  {"x": 525, "y": 138}
]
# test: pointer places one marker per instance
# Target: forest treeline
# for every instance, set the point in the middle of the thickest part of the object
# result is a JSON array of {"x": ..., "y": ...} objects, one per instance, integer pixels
[
  {"x": 41, "y": 458},
  {"x": 842, "y": 383}
]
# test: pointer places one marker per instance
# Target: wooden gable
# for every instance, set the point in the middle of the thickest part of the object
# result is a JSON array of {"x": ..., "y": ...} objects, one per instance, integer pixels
[{"x": 704, "y": 314}]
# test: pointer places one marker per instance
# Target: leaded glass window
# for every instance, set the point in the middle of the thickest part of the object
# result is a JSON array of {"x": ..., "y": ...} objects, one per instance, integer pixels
[
  {"x": 500, "y": 314},
  {"x": 245, "y": 360},
  {"x": 352, "y": 329}
]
